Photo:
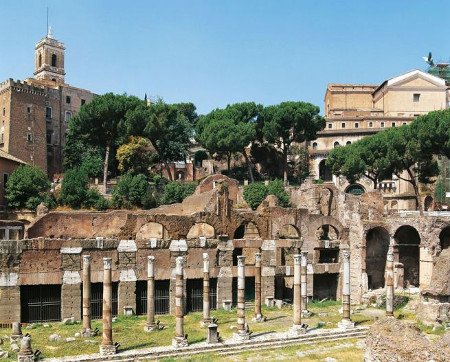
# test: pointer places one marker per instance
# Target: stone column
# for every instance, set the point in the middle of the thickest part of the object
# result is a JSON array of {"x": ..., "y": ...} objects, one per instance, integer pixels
[
  {"x": 346, "y": 322},
  {"x": 242, "y": 328},
  {"x": 304, "y": 285},
  {"x": 180, "y": 339},
  {"x": 16, "y": 333},
  {"x": 107, "y": 347},
  {"x": 206, "y": 306},
  {"x": 297, "y": 327},
  {"x": 25, "y": 353},
  {"x": 151, "y": 325},
  {"x": 390, "y": 283},
  {"x": 87, "y": 329},
  {"x": 258, "y": 315}
]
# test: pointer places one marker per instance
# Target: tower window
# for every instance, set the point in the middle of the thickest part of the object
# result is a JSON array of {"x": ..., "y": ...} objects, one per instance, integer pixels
[
  {"x": 356, "y": 125},
  {"x": 29, "y": 109},
  {"x": 53, "y": 60},
  {"x": 343, "y": 125},
  {"x": 382, "y": 124},
  {"x": 4, "y": 111},
  {"x": 68, "y": 116},
  {"x": 49, "y": 137},
  {"x": 68, "y": 100},
  {"x": 5, "y": 179},
  {"x": 330, "y": 125},
  {"x": 416, "y": 97},
  {"x": 314, "y": 146},
  {"x": 29, "y": 137},
  {"x": 48, "y": 112},
  {"x": 393, "y": 124},
  {"x": 40, "y": 60},
  {"x": 370, "y": 124}
]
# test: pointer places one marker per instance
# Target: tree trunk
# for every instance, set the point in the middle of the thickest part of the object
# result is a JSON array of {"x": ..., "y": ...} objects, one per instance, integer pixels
[
  {"x": 169, "y": 173},
  {"x": 416, "y": 191},
  {"x": 285, "y": 164},
  {"x": 249, "y": 167},
  {"x": 229, "y": 163},
  {"x": 105, "y": 169}
]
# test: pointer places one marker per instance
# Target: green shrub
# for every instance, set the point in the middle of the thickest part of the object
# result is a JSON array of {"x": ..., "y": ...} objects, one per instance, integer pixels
[
  {"x": 74, "y": 188},
  {"x": 130, "y": 191},
  {"x": 26, "y": 187},
  {"x": 254, "y": 194},
  {"x": 276, "y": 188},
  {"x": 176, "y": 191}
]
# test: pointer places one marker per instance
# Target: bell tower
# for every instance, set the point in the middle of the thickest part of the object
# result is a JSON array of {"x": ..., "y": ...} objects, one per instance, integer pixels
[{"x": 49, "y": 59}]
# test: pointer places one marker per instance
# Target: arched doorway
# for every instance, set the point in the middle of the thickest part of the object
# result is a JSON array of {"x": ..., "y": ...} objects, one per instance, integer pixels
[
  {"x": 201, "y": 229},
  {"x": 408, "y": 241},
  {"x": 355, "y": 189},
  {"x": 377, "y": 246},
  {"x": 325, "y": 171},
  {"x": 428, "y": 203},
  {"x": 444, "y": 238},
  {"x": 246, "y": 230}
]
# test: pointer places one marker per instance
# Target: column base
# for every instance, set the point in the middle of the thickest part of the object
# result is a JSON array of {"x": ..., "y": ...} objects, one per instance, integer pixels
[
  {"x": 179, "y": 342},
  {"x": 26, "y": 358},
  {"x": 241, "y": 336},
  {"x": 259, "y": 318},
  {"x": 151, "y": 327},
  {"x": 87, "y": 333},
  {"x": 306, "y": 314},
  {"x": 346, "y": 324},
  {"x": 206, "y": 322},
  {"x": 15, "y": 338},
  {"x": 297, "y": 330},
  {"x": 108, "y": 350}
]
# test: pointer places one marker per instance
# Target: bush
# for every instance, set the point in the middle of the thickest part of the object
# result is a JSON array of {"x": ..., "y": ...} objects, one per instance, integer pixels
[
  {"x": 254, "y": 194},
  {"x": 74, "y": 188},
  {"x": 276, "y": 188},
  {"x": 26, "y": 187},
  {"x": 136, "y": 156},
  {"x": 130, "y": 191},
  {"x": 176, "y": 191}
]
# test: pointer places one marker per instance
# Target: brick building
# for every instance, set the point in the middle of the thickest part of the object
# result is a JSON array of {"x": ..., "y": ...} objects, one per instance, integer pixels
[
  {"x": 8, "y": 164},
  {"x": 34, "y": 113}
]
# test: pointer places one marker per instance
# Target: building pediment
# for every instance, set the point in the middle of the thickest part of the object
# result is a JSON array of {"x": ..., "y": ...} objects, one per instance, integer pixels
[{"x": 416, "y": 79}]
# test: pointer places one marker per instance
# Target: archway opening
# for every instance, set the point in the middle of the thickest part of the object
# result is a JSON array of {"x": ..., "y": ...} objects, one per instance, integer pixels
[
  {"x": 377, "y": 246},
  {"x": 328, "y": 249},
  {"x": 355, "y": 189},
  {"x": 201, "y": 229},
  {"x": 325, "y": 171},
  {"x": 428, "y": 203},
  {"x": 408, "y": 241},
  {"x": 152, "y": 230},
  {"x": 444, "y": 238},
  {"x": 247, "y": 230}
]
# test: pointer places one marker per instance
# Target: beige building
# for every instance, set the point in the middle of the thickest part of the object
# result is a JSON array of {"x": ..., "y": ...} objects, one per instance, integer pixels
[
  {"x": 34, "y": 113},
  {"x": 354, "y": 111}
]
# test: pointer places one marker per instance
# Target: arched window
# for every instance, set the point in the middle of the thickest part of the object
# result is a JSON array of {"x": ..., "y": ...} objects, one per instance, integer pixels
[
  {"x": 53, "y": 60},
  {"x": 348, "y": 143},
  {"x": 40, "y": 60},
  {"x": 314, "y": 146},
  {"x": 336, "y": 144}
]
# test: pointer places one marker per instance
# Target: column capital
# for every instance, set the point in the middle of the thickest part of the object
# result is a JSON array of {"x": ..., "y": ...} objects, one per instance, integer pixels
[
  {"x": 179, "y": 265},
  {"x": 107, "y": 263},
  {"x": 150, "y": 259},
  {"x": 390, "y": 255},
  {"x": 241, "y": 260},
  {"x": 205, "y": 257},
  {"x": 86, "y": 259},
  {"x": 297, "y": 259},
  {"x": 346, "y": 255}
]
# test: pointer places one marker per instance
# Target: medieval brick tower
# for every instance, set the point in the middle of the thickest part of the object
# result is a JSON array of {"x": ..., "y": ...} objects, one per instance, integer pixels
[{"x": 49, "y": 59}]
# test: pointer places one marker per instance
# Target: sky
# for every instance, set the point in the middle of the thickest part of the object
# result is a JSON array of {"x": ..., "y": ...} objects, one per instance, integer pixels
[{"x": 217, "y": 52}]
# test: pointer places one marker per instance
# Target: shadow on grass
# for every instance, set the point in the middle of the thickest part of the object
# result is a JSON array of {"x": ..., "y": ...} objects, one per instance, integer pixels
[
  {"x": 137, "y": 346},
  {"x": 262, "y": 333},
  {"x": 275, "y": 318}
]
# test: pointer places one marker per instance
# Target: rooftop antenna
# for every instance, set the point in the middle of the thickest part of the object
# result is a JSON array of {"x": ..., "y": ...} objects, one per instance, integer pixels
[
  {"x": 47, "y": 20},
  {"x": 49, "y": 28}
]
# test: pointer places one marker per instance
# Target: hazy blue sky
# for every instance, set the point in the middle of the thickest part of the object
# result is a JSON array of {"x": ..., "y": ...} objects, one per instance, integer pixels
[{"x": 218, "y": 52}]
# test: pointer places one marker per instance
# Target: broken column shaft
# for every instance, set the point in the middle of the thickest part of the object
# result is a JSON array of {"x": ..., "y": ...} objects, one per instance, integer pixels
[
  {"x": 242, "y": 330},
  {"x": 151, "y": 325},
  {"x": 258, "y": 315},
  {"x": 180, "y": 339},
  {"x": 390, "y": 283},
  {"x": 303, "y": 280},
  {"x": 206, "y": 283},
  {"x": 87, "y": 329},
  {"x": 297, "y": 327},
  {"x": 346, "y": 322},
  {"x": 25, "y": 353},
  {"x": 107, "y": 347}
]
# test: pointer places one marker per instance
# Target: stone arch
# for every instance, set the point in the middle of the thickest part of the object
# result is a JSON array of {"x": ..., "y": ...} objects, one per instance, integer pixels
[
  {"x": 428, "y": 203},
  {"x": 201, "y": 229},
  {"x": 152, "y": 230},
  {"x": 247, "y": 230},
  {"x": 327, "y": 232},
  {"x": 288, "y": 231},
  {"x": 407, "y": 239},
  {"x": 317, "y": 223},
  {"x": 377, "y": 246},
  {"x": 355, "y": 189},
  {"x": 325, "y": 171},
  {"x": 444, "y": 238}
]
